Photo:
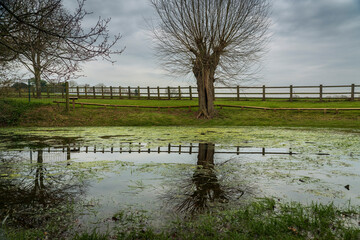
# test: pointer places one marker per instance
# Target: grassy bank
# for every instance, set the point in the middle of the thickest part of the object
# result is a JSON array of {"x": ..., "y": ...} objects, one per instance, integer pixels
[
  {"x": 259, "y": 220},
  {"x": 13, "y": 111},
  {"x": 263, "y": 219},
  {"x": 42, "y": 113}
]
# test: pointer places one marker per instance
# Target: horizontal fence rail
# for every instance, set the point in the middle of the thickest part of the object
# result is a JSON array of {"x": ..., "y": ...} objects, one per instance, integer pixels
[
  {"x": 170, "y": 148},
  {"x": 291, "y": 93},
  {"x": 53, "y": 92},
  {"x": 221, "y": 106}
]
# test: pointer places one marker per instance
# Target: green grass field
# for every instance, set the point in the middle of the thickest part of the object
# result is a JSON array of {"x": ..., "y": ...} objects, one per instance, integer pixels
[
  {"x": 42, "y": 112},
  {"x": 271, "y": 103}
]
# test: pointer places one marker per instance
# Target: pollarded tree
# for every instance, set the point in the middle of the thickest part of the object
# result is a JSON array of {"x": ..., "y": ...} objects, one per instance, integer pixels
[
  {"x": 49, "y": 40},
  {"x": 213, "y": 39}
]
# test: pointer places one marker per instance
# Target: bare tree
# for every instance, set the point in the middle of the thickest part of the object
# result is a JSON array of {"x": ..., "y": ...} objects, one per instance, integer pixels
[
  {"x": 8, "y": 77},
  {"x": 50, "y": 41},
  {"x": 212, "y": 39}
]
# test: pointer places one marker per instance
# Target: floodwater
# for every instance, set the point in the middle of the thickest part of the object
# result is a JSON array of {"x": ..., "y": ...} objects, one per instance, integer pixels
[{"x": 108, "y": 177}]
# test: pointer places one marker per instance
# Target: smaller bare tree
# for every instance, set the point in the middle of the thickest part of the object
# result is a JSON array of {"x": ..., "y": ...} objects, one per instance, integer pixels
[
  {"x": 214, "y": 40},
  {"x": 49, "y": 40}
]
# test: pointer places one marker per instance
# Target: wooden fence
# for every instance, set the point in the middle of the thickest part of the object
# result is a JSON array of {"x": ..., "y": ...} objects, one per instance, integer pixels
[
  {"x": 321, "y": 92},
  {"x": 190, "y": 148},
  {"x": 30, "y": 92}
]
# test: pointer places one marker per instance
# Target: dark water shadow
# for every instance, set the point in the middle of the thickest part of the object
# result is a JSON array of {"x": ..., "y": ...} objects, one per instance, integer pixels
[
  {"x": 18, "y": 141},
  {"x": 38, "y": 196},
  {"x": 203, "y": 190}
]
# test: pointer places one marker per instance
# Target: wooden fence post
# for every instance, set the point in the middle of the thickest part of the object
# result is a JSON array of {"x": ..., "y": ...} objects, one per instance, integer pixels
[
  {"x": 158, "y": 92},
  {"x": 94, "y": 92},
  {"x": 67, "y": 96},
  {"x": 352, "y": 98},
  {"x": 291, "y": 93},
  {"x": 238, "y": 92},
  {"x": 263, "y": 93},
  {"x": 111, "y": 92},
  {"x": 179, "y": 93},
  {"x": 78, "y": 92},
  {"x": 190, "y": 93},
  {"x": 86, "y": 96},
  {"x": 321, "y": 92},
  {"x": 138, "y": 92},
  {"x": 148, "y": 92},
  {"x": 102, "y": 92},
  {"x": 168, "y": 93},
  {"x": 119, "y": 92},
  {"x": 129, "y": 92},
  {"x": 47, "y": 91}
]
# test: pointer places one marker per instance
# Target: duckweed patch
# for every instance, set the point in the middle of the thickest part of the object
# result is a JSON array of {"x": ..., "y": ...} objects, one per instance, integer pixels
[{"x": 299, "y": 139}]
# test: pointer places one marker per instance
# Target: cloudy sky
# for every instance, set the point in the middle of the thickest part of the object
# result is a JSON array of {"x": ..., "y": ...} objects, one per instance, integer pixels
[{"x": 312, "y": 42}]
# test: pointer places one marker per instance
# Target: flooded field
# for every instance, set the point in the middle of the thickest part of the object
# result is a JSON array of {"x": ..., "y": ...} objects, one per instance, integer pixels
[{"x": 105, "y": 178}]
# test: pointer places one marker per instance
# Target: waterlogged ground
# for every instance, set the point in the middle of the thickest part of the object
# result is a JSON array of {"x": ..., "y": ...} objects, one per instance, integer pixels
[{"x": 107, "y": 178}]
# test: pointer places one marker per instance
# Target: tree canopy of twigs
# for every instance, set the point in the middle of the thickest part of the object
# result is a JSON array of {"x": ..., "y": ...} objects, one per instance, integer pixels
[
  {"x": 215, "y": 40},
  {"x": 49, "y": 40}
]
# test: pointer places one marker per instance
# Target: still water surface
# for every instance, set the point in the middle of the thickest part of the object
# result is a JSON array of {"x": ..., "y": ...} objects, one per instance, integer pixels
[{"x": 104, "y": 176}]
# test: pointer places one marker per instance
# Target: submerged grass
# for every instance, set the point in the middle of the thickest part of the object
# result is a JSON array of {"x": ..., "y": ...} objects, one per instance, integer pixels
[{"x": 263, "y": 219}]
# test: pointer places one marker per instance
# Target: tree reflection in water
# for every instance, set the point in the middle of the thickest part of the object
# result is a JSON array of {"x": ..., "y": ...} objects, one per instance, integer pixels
[
  {"x": 204, "y": 189},
  {"x": 39, "y": 195}
]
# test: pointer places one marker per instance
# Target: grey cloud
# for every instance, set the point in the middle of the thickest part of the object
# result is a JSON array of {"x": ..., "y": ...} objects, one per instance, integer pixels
[
  {"x": 313, "y": 42},
  {"x": 322, "y": 17},
  {"x": 127, "y": 17}
]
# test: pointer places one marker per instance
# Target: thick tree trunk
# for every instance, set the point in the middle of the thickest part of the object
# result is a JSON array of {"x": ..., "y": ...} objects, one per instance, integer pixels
[
  {"x": 205, "y": 86},
  {"x": 37, "y": 78},
  {"x": 37, "y": 74},
  {"x": 206, "y": 155}
]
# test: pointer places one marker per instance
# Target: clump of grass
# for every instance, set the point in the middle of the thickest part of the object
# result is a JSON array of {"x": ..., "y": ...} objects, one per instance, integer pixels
[
  {"x": 267, "y": 220},
  {"x": 264, "y": 219},
  {"x": 91, "y": 236}
]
